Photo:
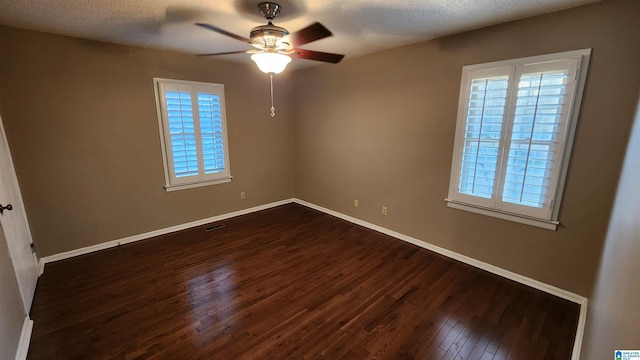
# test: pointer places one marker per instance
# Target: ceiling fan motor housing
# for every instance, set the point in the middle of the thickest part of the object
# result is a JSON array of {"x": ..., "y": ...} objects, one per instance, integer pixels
[{"x": 269, "y": 36}]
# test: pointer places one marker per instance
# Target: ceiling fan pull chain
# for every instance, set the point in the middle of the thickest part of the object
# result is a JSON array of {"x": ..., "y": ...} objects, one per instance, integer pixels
[{"x": 273, "y": 109}]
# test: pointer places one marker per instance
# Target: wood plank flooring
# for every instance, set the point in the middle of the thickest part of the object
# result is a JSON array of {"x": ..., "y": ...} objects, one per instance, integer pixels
[{"x": 289, "y": 283}]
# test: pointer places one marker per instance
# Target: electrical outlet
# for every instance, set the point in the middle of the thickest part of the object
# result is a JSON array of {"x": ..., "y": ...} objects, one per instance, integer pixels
[
  {"x": 243, "y": 196},
  {"x": 355, "y": 203},
  {"x": 384, "y": 210}
]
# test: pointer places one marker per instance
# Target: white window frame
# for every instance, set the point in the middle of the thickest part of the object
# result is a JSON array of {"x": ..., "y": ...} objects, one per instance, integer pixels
[
  {"x": 172, "y": 182},
  {"x": 546, "y": 217}
]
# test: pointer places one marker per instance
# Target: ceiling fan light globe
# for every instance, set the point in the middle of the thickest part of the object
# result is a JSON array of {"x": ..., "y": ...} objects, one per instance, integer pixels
[{"x": 271, "y": 63}]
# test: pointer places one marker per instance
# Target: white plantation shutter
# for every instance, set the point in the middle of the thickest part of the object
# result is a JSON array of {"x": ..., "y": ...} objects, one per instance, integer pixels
[
  {"x": 482, "y": 136},
  {"x": 539, "y": 122},
  {"x": 512, "y": 135},
  {"x": 209, "y": 108},
  {"x": 182, "y": 133},
  {"x": 193, "y": 132}
]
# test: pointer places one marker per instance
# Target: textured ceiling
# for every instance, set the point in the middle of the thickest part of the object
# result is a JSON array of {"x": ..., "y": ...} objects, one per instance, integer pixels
[{"x": 359, "y": 26}]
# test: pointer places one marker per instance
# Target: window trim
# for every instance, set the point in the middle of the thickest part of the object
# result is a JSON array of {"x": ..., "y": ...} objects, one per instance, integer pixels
[
  {"x": 170, "y": 184},
  {"x": 453, "y": 199}
]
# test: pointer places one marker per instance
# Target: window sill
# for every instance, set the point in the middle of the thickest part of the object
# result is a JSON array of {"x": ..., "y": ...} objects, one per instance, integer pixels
[
  {"x": 170, "y": 188},
  {"x": 544, "y": 224}
]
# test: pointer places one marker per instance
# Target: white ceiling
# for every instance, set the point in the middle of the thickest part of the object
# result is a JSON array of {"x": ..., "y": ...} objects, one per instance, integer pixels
[{"x": 359, "y": 26}]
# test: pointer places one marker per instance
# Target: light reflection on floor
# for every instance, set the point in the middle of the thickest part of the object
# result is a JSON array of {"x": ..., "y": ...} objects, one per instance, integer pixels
[{"x": 216, "y": 288}]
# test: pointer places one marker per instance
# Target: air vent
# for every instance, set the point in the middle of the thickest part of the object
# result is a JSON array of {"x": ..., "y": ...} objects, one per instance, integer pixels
[{"x": 214, "y": 227}]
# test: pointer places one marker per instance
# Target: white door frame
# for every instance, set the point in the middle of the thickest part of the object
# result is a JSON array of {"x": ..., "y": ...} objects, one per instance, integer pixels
[{"x": 24, "y": 261}]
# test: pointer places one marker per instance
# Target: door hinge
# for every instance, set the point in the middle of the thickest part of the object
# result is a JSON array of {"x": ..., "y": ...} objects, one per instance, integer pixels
[{"x": 33, "y": 248}]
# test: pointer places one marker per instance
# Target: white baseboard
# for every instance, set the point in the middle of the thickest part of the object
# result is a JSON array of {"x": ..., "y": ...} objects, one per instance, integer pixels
[
  {"x": 25, "y": 339},
  {"x": 550, "y": 289},
  {"x": 129, "y": 239}
]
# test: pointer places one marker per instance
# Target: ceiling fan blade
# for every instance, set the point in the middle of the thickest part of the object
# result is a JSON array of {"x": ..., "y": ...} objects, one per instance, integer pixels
[
  {"x": 317, "y": 56},
  {"x": 224, "y": 32},
  {"x": 313, "y": 32},
  {"x": 224, "y": 53}
]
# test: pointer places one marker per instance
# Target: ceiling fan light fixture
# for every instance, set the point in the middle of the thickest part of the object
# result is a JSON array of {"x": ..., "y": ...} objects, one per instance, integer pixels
[
  {"x": 271, "y": 62},
  {"x": 275, "y": 47}
]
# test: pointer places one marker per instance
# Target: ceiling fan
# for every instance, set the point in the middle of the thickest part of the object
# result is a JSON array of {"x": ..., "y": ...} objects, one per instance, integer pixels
[{"x": 275, "y": 46}]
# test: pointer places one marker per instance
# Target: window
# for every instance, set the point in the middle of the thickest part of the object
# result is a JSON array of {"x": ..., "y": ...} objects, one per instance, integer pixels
[
  {"x": 516, "y": 121},
  {"x": 193, "y": 133}
]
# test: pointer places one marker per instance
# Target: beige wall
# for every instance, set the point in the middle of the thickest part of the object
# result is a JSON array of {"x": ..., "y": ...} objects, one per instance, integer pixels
[
  {"x": 81, "y": 121},
  {"x": 11, "y": 311},
  {"x": 380, "y": 129},
  {"x": 614, "y": 311}
]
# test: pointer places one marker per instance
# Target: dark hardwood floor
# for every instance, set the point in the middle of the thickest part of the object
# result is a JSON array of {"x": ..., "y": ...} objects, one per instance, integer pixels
[{"x": 289, "y": 283}]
